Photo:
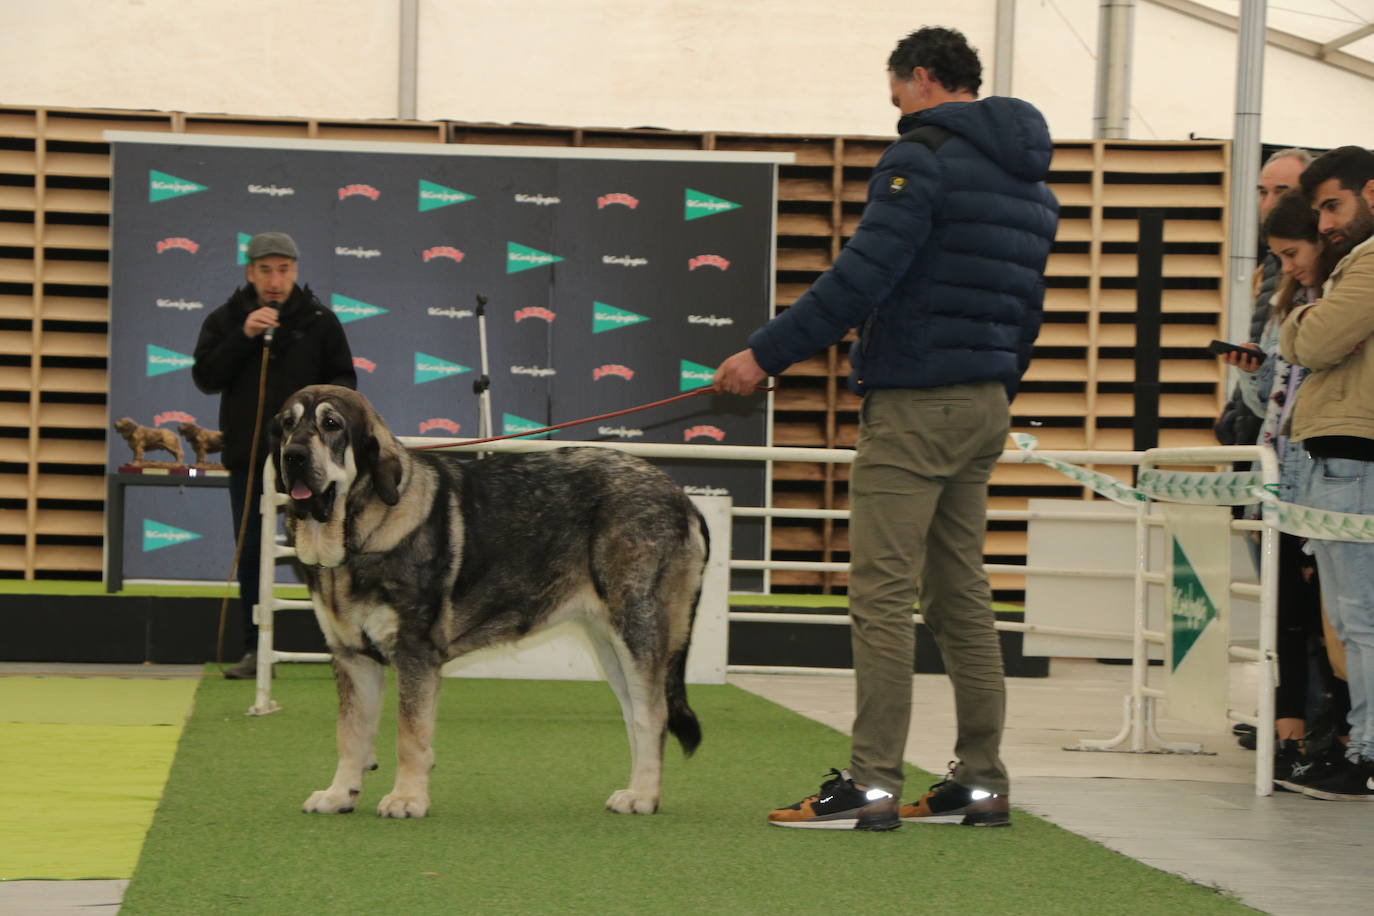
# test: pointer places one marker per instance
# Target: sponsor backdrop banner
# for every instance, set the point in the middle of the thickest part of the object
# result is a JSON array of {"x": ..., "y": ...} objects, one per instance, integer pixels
[{"x": 611, "y": 282}]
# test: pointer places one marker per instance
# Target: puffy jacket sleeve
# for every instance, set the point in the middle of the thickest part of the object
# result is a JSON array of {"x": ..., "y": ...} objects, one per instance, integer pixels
[
  {"x": 221, "y": 351},
  {"x": 902, "y": 195},
  {"x": 1323, "y": 334}
]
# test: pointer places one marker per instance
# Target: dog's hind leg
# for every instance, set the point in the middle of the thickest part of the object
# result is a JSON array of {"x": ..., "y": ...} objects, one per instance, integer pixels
[
  {"x": 417, "y": 683},
  {"x": 645, "y": 709},
  {"x": 360, "y": 681}
]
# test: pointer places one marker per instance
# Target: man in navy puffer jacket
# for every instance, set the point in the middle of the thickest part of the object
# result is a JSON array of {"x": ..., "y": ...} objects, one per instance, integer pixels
[{"x": 944, "y": 278}]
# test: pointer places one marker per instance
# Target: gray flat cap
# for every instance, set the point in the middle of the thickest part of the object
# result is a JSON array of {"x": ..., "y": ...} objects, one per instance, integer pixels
[{"x": 267, "y": 244}]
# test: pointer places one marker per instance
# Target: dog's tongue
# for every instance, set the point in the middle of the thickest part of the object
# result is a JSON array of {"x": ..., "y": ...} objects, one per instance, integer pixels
[{"x": 301, "y": 491}]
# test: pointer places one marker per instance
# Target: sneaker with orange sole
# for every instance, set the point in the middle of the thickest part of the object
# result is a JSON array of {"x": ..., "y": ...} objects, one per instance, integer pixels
[
  {"x": 947, "y": 802},
  {"x": 840, "y": 805}
]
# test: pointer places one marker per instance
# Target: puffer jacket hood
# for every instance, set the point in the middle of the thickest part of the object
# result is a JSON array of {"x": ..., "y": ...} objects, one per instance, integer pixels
[{"x": 1010, "y": 132}]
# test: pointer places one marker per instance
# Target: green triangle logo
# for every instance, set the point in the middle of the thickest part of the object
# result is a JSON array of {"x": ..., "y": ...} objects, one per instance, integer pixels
[
  {"x": 520, "y": 257},
  {"x": 433, "y": 196},
  {"x": 241, "y": 246},
  {"x": 694, "y": 375},
  {"x": 698, "y": 204},
  {"x": 609, "y": 318},
  {"x": 353, "y": 310},
  {"x": 162, "y": 186},
  {"x": 157, "y": 535},
  {"x": 511, "y": 424},
  {"x": 429, "y": 368},
  {"x": 1192, "y": 608},
  {"x": 161, "y": 361}
]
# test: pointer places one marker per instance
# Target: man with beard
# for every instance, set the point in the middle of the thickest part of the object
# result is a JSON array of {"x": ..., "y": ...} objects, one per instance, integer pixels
[
  {"x": 1334, "y": 420},
  {"x": 269, "y": 313}
]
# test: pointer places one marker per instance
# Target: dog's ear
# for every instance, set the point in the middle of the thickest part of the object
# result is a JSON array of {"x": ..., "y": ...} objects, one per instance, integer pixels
[
  {"x": 386, "y": 472},
  {"x": 381, "y": 457}
]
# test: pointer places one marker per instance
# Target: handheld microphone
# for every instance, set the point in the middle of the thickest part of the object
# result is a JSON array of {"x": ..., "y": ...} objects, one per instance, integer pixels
[{"x": 270, "y": 332}]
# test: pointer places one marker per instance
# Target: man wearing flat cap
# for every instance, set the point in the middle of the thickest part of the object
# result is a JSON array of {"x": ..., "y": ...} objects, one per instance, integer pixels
[{"x": 269, "y": 317}]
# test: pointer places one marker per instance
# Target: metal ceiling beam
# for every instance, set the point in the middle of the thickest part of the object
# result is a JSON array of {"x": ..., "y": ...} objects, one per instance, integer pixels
[
  {"x": 1347, "y": 39},
  {"x": 1301, "y": 46}
]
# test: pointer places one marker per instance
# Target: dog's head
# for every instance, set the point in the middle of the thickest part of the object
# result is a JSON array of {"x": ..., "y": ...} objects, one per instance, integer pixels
[
  {"x": 325, "y": 441},
  {"x": 125, "y": 426},
  {"x": 189, "y": 430}
]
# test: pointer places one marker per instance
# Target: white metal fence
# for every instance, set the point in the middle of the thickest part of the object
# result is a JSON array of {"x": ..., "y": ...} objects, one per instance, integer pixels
[{"x": 1138, "y": 733}]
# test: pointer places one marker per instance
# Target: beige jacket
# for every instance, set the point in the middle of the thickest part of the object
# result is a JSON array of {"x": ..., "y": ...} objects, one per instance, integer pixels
[{"x": 1337, "y": 398}]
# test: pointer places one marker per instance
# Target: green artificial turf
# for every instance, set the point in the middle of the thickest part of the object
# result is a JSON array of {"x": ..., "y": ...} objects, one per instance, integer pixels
[
  {"x": 97, "y": 589},
  {"x": 517, "y": 823}
]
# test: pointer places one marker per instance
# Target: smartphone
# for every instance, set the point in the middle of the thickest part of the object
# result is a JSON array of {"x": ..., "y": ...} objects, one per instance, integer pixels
[{"x": 1221, "y": 348}]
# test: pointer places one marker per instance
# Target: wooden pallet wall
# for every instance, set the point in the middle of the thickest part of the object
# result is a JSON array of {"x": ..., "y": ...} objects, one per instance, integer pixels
[{"x": 54, "y": 288}]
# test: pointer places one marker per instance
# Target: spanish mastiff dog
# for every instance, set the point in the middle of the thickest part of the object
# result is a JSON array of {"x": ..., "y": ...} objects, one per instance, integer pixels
[{"x": 414, "y": 558}]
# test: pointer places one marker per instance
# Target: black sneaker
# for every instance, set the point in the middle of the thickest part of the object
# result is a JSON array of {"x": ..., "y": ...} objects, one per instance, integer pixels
[
  {"x": 948, "y": 802},
  {"x": 1353, "y": 783},
  {"x": 1290, "y": 761},
  {"x": 1310, "y": 769},
  {"x": 840, "y": 805}
]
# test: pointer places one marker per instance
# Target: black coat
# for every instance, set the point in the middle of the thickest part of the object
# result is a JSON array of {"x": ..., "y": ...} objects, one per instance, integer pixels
[{"x": 309, "y": 349}]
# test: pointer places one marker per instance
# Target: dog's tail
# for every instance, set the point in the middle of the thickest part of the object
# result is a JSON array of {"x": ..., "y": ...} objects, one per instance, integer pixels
[{"x": 682, "y": 722}]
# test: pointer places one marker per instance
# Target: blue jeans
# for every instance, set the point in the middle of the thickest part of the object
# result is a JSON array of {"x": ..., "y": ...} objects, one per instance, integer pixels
[{"x": 1347, "y": 575}]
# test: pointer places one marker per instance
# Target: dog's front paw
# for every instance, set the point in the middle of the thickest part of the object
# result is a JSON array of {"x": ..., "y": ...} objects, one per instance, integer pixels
[
  {"x": 403, "y": 806},
  {"x": 331, "y": 801},
  {"x": 626, "y": 801}
]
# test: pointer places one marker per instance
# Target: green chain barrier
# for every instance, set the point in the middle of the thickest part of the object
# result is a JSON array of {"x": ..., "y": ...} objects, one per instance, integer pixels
[
  {"x": 1101, "y": 484},
  {"x": 1306, "y": 522},
  {"x": 1224, "y": 488}
]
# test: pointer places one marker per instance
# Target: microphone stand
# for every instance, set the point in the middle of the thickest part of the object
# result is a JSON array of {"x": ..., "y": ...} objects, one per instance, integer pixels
[{"x": 482, "y": 385}]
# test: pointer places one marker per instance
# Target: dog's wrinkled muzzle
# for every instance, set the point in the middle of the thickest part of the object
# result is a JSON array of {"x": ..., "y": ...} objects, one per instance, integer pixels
[{"x": 309, "y": 499}]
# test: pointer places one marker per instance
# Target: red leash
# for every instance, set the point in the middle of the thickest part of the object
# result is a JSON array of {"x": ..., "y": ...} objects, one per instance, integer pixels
[{"x": 549, "y": 429}]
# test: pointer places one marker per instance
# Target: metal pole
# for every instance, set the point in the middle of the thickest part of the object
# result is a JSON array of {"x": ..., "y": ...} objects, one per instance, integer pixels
[
  {"x": 1245, "y": 166},
  {"x": 1006, "y": 35},
  {"x": 407, "y": 64},
  {"x": 1115, "y": 43}
]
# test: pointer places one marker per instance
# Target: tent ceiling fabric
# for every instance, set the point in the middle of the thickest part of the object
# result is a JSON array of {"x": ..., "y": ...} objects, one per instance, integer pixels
[{"x": 1326, "y": 22}]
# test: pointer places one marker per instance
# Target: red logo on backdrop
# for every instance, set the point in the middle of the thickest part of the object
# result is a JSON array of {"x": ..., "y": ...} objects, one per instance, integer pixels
[
  {"x": 359, "y": 190},
  {"x": 625, "y": 200},
  {"x": 601, "y": 372},
  {"x": 708, "y": 260},
  {"x": 711, "y": 432},
  {"x": 167, "y": 416},
  {"x": 438, "y": 423},
  {"x": 365, "y": 364},
  {"x": 442, "y": 251},
  {"x": 534, "y": 311},
  {"x": 179, "y": 242}
]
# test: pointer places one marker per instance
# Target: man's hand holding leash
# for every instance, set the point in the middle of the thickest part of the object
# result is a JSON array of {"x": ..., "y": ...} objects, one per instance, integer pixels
[{"x": 739, "y": 374}]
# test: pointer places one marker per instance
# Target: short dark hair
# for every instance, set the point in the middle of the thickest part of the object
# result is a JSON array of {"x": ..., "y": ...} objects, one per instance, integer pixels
[
  {"x": 1291, "y": 218},
  {"x": 945, "y": 53},
  {"x": 1352, "y": 166}
]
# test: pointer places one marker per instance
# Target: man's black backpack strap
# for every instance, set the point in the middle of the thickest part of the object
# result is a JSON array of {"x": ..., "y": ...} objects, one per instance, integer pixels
[{"x": 931, "y": 136}]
